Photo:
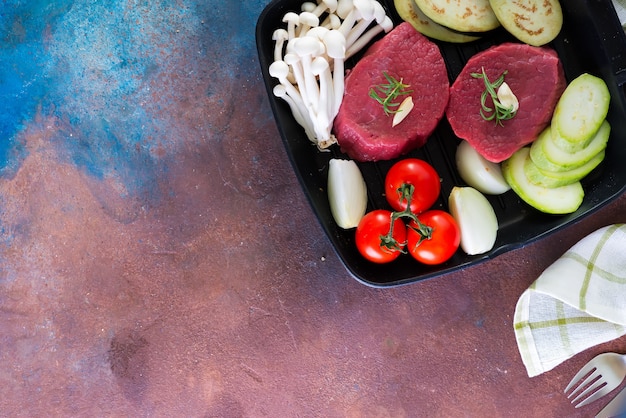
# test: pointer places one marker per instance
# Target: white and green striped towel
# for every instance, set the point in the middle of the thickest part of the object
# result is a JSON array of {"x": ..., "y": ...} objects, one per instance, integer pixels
[{"x": 576, "y": 303}]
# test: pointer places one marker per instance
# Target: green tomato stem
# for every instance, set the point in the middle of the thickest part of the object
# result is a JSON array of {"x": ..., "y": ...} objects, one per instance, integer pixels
[{"x": 425, "y": 232}]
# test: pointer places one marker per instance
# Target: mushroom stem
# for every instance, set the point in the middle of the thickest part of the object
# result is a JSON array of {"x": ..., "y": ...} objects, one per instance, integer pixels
[
  {"x": 280, "y": 71},
  {"x": 338, "y": 84},
  {"x": 280, "y": 36},
  {"x": 292, "y": 19},
  {"x": 348, "y": 22},
  {"x": 296, "y": 69},
  {"x": 362, "y": 9},
  {"x": 374, "y": 12},
  {"x": 332, "y": 21},
  {"x": 323, "y": 6},
  {"x": 307, "y": 48},
  {"x": 368, "y": 36},
  {"x": 323, "y": 121},
  {"x": 336, "y": 49},
  {"x": 300, "y": 113},
  {"x": 357, "y": 31}
]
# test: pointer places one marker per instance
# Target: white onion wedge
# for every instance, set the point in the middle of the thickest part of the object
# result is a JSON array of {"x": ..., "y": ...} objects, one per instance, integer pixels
[
  {"x": 476, "y": 219},
  {"x": 347, "y": 193},
  {"x": 478, "y": 172}
]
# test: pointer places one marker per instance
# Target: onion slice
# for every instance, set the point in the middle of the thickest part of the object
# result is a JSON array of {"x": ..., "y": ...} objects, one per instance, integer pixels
[
  {"x": 347, "y": 193},
  {"x": 476, "y": 219},
  {"x": 478, "y": 172}
]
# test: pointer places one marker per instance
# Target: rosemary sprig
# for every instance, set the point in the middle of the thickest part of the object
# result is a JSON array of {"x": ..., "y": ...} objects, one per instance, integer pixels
[
  {"x": 386, "y": 94},
  {"x": 500, "y": 112}
]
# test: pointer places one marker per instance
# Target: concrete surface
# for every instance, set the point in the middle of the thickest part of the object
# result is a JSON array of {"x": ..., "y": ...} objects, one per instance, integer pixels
[{"x": 159, "y": 259}]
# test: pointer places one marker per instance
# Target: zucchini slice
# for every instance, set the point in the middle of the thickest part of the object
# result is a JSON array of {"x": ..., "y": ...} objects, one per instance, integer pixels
[
  {"x": 552, "y": 200},
  {"x": 569, "y": 146},
  {"x": 560, "y": 178},
  {"x": 548, "y": 156},
  {"x": 581, "y": 109}
]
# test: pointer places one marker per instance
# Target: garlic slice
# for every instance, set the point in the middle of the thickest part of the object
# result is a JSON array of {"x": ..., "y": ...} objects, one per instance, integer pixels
[
  {"x": 403, "y": 111},
  {"x": 347, "y": 193},
  {"x": 507, "y": 98}
]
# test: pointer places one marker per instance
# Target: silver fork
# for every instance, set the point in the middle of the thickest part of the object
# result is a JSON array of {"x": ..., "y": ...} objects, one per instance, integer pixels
[{"x": 597, "y": 378}]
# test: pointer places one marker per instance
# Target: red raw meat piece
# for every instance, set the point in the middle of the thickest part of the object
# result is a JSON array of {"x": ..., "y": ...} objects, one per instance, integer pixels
[{"x": 362, "y": 129}]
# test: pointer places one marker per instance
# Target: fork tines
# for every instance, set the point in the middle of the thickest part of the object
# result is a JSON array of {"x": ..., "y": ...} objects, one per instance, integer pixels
[{"x": 589, "y": 388}]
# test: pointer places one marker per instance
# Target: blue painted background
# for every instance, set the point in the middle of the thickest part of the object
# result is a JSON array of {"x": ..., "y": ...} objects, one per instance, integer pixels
[{"x": 112, "y": 74}]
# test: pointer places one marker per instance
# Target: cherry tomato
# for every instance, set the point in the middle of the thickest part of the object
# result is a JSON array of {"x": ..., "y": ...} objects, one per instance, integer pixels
[
  {"x": 439, "y": 239},
  {"x": 370, "y": 234},
  {"x": 414, "y": 172}
]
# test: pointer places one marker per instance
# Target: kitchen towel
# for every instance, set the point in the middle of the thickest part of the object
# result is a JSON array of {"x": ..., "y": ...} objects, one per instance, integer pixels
[{"x": 576, "y": 303}]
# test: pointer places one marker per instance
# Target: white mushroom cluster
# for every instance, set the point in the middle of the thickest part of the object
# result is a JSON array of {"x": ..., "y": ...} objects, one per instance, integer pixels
[{"x": 309, "y": 57}]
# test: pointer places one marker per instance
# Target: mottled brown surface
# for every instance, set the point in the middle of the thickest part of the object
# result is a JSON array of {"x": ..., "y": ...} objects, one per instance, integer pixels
[
  {"x": 227, "y": 300},
  {"x": 216, "y": 293}
]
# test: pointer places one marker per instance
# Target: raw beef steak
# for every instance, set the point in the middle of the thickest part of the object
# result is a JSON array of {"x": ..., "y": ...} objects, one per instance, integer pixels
[
  {"x": 362, "y": 129},
  {"x": 536, "y": 77}
]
